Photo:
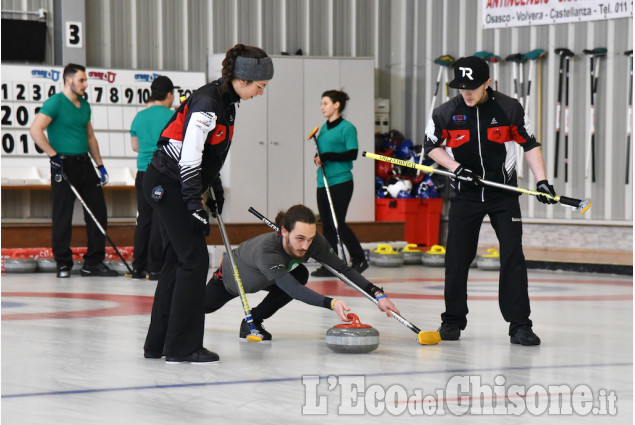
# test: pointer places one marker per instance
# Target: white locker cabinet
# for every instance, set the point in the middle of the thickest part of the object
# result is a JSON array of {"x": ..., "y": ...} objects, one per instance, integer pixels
[
  {"x": 265, "y": 160},
  {"x": 356, "y": 77},
  {"x": 244, "y": 174},
  {"x": 285, "y": 148},
  {"x": 270, "y": 164}
]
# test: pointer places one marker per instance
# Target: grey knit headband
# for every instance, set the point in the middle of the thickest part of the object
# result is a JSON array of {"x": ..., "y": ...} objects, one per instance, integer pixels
[{"x": 253, "y": 69}]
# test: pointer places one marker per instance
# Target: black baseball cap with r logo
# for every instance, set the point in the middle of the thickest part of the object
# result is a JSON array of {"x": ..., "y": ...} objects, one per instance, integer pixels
[{"x": 469, "y": 73}]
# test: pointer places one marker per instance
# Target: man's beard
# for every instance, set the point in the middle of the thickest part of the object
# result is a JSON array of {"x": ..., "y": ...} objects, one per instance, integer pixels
[{"x": 74, "y": 90}]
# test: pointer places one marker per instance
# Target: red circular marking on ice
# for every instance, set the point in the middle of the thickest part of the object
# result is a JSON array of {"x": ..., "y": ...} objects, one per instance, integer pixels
[{"x": 127, "y": 305}]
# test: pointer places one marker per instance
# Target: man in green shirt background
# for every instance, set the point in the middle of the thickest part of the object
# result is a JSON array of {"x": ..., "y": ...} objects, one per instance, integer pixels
[
  {"x": 145, "y": 131},
  {"x": 71, "y": 139}
]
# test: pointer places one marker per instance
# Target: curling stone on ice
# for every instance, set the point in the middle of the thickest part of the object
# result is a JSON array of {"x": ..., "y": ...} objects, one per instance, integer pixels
[
  {"x": 435, "y": 257},
  {"x": 411, "y": 255},
  {"x": 489, "y": 261},
  {"x": 354, "y": 337},
  {"x": 46, "y": 265},
  {"x": 19, "y": 262},
  {"x": 386, "y": 256}
]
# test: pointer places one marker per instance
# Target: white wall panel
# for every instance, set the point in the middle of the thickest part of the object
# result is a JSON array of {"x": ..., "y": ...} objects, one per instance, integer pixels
[{"x": 354, "y": 78}]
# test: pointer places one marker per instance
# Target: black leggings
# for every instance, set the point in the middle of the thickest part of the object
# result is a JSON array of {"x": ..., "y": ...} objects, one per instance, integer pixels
[
  {"x": 341, "y": 195},
  {"x": 216, "y": 295},
  {"x": 148, "y": 248},
  {"x": 177, "y": 321}
]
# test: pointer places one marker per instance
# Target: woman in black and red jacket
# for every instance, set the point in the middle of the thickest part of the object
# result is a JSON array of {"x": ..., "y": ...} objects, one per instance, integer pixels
[
  {"x": 480, "y": 128},
  {"x": 191, "y": 152}
]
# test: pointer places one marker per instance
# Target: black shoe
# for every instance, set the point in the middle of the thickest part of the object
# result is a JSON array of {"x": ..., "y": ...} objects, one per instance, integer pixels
[
  {"x": 244, "y": 330},
  {"x": 98, "y": 270},
  {"x": 524, "y": 336},
  {"x": 359, "y": 266},
  {"x": 154, "y": 275},
  {"x": 202, "y": 355},
  {"x": 64, "y": 271},
  {"x": 151, "y": 355},
  {"x": 321, "y": 272},
  {"x": 137, "y": 274},
  {"x": 449, "y": 332}
]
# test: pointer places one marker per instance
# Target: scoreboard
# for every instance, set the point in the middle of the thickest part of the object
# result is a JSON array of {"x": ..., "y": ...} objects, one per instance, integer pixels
[{"x": 115, "y": 96}]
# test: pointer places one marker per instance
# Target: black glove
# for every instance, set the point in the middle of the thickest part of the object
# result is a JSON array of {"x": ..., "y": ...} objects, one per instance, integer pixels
[
  {"x": 57, "y": 166},
  {"x": 199, "y": 220},
  {"x": 466, "y": 176},
  {"x": 544, "y": 187},
  {"x": 216, "y": 207}
]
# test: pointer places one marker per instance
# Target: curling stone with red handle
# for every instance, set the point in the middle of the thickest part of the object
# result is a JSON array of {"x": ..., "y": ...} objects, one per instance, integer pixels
[{"x": 352, "y": 338}]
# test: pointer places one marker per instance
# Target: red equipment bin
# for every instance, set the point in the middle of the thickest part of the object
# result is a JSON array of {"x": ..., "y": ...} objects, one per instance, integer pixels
[{"x": 422, "y": 217}]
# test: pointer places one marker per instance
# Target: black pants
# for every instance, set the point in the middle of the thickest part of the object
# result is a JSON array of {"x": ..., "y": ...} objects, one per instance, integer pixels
[
  {"x": 148, "y": 250},
  {"x": 341, "y": 195},
  {"x": 465, "y": 219},
  {"x": 178, "y": 320},
  {"x": 216, "y": 295},
  {"x": 79, "y": 170}
]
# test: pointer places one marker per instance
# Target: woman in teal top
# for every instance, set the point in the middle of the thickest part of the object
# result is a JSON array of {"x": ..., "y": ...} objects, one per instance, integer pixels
[
  {"x": 145, "y": 131},
  {"x": 337, "y": 146}
]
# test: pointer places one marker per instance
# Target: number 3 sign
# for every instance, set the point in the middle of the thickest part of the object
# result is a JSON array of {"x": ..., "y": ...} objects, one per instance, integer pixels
[{"x": 74, "y": 34}]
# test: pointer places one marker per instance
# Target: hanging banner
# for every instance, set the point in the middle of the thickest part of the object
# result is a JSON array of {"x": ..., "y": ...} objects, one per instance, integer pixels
[{"x": 519, "y": 13}]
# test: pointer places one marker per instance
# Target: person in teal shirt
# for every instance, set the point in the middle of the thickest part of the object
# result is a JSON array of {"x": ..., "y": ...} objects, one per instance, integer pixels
[
  {"x": 337, "y": 146},
  {"x": 70, "y": 145},
  {"x": 145, "y": 131}
]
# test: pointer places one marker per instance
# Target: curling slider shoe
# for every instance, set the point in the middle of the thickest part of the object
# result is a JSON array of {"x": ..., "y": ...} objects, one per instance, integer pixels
[{"x": 429, "y": 337}]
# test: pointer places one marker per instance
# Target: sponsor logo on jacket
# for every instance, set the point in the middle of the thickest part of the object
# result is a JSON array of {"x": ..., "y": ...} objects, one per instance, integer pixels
[{"x": 204, "y": 120}]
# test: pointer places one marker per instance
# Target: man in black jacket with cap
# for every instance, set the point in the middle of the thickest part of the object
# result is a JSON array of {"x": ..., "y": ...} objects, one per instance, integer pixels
[{"x": 480, "y": 128}]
